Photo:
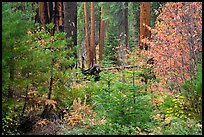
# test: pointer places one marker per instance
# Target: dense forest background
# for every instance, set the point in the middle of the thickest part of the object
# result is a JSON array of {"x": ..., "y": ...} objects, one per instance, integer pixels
[{"x": 101, "y": 68}]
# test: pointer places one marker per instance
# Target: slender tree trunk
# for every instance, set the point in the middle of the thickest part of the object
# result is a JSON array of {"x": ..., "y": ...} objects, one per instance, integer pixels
[
  {"x": 53, "y": 16},
  {"x": 92, "y": 39},
  {"x": 126, "y": 26},
  {"x": 137, "y": 26},
  {"x": 133, "y": 84},
  {"x": 102, "y": 35},
  {"x": 135, "y": 22},
  {"x": 144, "y": 20},
  {"x": 60, "y": 10},
  {"x": 51, "y": 81},
  {"x": 46, "y": 109},
  {"x": 58, "y": 18},
  {"x": 87, "y": 36},
  {"x": 26, "y": 96},
  {"x": 48, "y": 11},
  {"x": 132, "y": 24}
]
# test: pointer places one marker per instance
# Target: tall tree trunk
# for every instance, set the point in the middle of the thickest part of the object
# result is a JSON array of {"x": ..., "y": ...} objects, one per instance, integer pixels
[
  {"x": 53, "y": 16},
  {"x": 137, "y": 22},
  {"x": 144, "y": 20},
  {"x": 92, "y": 39},
  {"x": 102, "y": 35},
  {"x": 51, "y": 80},
  {"x": 88, "y": 55},
  {"x": 48, "y": 11},
  {"x": 43, "y": 13},
  {"x": 126, "y": 26},
  {"x": 123, "y": 34},
  {"x": 41, "y": 9},
  {"x": 48, "y": 108},
  {"x": 60, "y": 10},
  {"x": 70, "y": 23},
  {"x": 59, "y": 18}
]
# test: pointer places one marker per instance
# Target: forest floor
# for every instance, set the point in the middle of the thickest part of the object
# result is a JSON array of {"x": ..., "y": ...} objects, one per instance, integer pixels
[{"x": 114, "y": 105}]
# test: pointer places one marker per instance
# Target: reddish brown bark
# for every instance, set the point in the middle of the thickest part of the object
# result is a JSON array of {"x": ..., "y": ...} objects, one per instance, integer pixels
[
  {"x": 57, "y": 16},
  {"x": 50, "y": 12},
  {"x": 53, "y": 16},
  {"x": 88, "y": 55},
  {"x": 41, "y": 9},
  {"x": 60, "y": 10},
  {"x": 102, "y": 35},
  {"x": 92, "y": 38},
  {"x": 144, "y": 20}
]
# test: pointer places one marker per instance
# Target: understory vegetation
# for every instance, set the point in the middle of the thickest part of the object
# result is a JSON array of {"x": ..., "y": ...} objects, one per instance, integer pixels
[{"x": 43, "y": 94}]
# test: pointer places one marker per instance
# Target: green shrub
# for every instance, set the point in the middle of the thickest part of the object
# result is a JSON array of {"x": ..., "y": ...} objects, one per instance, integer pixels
[
  {"x": 192, "y": 90},
  {"x": 183, "y": 127},
  {"x": 10, "y": 121},
  {"x": 68, "y": 130},
  {"x": 119, "y": 107},
  {"x": 174, "y": 106},
  {"x": 198, "y": 79},
  {"x": 101, "y": 129},
  {"x": 66, "y": 88},
  {"x": 112, "y": 129}
]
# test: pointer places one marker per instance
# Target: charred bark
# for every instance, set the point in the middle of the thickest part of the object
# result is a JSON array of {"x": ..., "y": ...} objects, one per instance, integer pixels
[
  {"x": 95, "y": 70},
  {"x": 70, "y": 25}
]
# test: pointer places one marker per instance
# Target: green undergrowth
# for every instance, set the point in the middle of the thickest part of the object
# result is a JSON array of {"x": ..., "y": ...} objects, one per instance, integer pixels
[{"x": 126, "y": 109}]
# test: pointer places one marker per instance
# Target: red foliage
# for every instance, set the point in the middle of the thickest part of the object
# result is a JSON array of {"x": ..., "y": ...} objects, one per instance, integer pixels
[{"x": 176, "y": 40}]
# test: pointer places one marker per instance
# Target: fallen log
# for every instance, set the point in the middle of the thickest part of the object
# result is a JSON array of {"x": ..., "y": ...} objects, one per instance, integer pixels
[{"x": 95, "y": 70}]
